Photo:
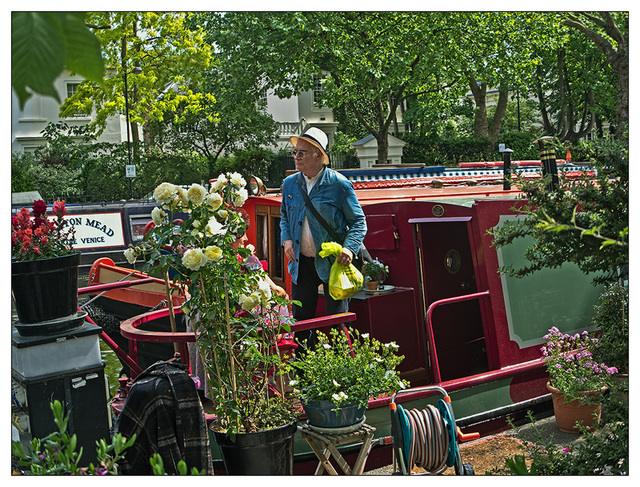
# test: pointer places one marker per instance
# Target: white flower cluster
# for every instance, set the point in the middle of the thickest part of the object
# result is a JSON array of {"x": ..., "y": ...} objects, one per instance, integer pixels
[{"x": 229, "y": 189}]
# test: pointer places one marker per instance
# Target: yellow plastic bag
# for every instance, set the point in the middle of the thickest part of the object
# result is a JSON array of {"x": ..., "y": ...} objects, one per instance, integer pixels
[{"x": 344, "y": 281}]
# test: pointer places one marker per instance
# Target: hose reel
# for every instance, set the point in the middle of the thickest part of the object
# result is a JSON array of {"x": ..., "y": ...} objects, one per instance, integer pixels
[{"x": 428, "y": 438}]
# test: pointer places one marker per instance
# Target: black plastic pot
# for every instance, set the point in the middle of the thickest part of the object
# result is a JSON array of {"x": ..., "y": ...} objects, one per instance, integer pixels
[
  {"x": 268, "y": 452},
  {"x": 45, "y": 289}
]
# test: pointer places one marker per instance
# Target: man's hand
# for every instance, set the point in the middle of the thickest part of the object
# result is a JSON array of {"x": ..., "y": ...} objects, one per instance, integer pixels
[
  {"x": 288, "y": 250},
  {"x": 345, "y": 257}
]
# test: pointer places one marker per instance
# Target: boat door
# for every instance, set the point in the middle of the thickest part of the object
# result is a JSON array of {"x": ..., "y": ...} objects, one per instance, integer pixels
[{"x": 447, "y": 269}]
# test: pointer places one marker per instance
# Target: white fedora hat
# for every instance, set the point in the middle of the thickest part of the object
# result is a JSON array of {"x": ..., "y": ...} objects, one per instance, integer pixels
[{"x": 316, "y": 137}]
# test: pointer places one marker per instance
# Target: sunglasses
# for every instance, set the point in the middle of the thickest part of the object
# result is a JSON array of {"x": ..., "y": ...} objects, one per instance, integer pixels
[{"x": 302, "y": 153}]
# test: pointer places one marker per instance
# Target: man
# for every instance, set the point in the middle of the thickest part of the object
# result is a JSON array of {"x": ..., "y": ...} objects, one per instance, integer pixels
[{"x": 302, "y": 235}]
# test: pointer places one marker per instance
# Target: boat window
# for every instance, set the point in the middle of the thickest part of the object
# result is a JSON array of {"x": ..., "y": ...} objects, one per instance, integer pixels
[
  {"x": 138, "y": 223},
  {"x": 268, "y": 246}
]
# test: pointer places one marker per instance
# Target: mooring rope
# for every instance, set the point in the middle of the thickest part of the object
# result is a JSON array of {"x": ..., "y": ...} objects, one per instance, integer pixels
[{"x": 429, "y": 439}]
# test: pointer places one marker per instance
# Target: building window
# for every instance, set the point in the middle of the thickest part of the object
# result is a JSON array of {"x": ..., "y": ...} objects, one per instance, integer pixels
[
  {"x": 317, "y": 89},
  {"x": 72, "y": 88}
]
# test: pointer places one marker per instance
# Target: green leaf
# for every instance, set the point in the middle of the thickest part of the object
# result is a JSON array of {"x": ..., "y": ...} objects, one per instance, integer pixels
[
  {"x": 83, "y": 48},
  {"x": 38, "y": 53}
]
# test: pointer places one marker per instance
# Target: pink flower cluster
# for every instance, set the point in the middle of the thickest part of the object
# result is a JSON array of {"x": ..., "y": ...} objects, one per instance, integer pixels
[
  {"x": 570, "y": 362},
  {"x": 34, "y": 236}
]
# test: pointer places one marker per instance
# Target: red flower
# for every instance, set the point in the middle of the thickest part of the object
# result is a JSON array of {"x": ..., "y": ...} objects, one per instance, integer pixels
[
  {"x": 39, "y": 208},
  {"x": 59, "y": 209},
  {"x": 37, "y": 237}
]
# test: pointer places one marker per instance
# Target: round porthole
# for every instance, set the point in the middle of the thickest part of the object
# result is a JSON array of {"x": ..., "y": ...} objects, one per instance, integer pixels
[
  {"x": 452, "y": 261},
  {"x": 437, "y": 210}
]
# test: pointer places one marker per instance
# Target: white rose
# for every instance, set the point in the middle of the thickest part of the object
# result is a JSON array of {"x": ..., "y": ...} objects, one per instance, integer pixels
[
  {"x": 194, "y": 259},
  {"x": 219, "y": 183},
  {"x": 237, "y": 180},
  {"x": 164, "y": 193},
  {"x": 240, "y": 197},
  {"x": 249, "y": 302},
  {"x": 213, "y": 200},
  {"x": 183, "y": 195},
  {"x": 158, "y": 216},
  {"x": 265, "y": 290},
  {"x": 213, "y": 253},
  {"x": 214, "y": 227},
  {"x": 130, "y": 255},
  {"x": 196, "y": 194}
]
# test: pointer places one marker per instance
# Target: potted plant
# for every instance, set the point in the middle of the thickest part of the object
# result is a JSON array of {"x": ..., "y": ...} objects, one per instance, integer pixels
[
  {"x": 576, "y": 380},
  {"x": 230, "y": 306},
  {"x": 345, "y": 369},
  {"x": 44, "y": 270},
  {"x": 374, "y": 272}
]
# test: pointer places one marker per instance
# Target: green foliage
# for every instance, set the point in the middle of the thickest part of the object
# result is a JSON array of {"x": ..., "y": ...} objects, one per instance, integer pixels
[
  {"x": 434, "y": 151},
  {"x": 375, "y": 270},
  {"x": 158, "y": 467},
  {"x": 342, "y": 144},
  {"x": 585, "y": 221},
  {"x": 248, "y": 162},
  {"x": 612, "y": 319},
  {"x": 43, "y": 44},
  {"x": 167, "y": 52},
  {"x": 157, "y": 165},
  {"x": 518, "y": 466},
  {"x": 22, "y": 169},
  {"x": 56, "y": 454},
  {"x": 331, "y": 373},
  {"x": 601, "y": 451},
  {"x": 522, "y": 145}
]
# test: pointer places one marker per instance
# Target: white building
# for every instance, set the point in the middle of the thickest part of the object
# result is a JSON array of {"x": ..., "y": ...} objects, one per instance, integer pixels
[
  {"x": 27, "y": 124},
  {"x": 367, "y": 151}
]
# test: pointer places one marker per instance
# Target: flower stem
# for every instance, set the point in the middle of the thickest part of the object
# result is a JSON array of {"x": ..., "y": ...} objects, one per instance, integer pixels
[{"x": 234, "y": 387}]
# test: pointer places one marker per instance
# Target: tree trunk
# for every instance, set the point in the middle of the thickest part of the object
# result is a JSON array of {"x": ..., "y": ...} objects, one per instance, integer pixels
[
  {"x": 498, "y": 116},
  {"x": 383, "y": 147},
  {"x": 480, "y": 122}
]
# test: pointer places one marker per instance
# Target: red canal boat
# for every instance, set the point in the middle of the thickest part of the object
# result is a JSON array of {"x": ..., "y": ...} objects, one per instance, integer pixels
[{"x": 461, "y": 325}]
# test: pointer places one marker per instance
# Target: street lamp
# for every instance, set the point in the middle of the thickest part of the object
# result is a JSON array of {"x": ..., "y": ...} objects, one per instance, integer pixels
[{"x": 135, "y": 70}]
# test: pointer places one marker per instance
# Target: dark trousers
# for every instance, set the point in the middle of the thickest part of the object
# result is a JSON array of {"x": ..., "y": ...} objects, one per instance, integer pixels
[{"x": 306, "y": 291}]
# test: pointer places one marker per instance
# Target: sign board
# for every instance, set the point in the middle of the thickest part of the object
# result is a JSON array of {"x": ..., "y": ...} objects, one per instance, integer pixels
[
  {"x": 97, "y": 230},
  {"x": 131, "y": 170}
]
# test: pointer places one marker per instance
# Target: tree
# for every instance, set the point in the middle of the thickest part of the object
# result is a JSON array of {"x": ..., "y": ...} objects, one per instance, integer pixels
[
  {"x": 381, "y": 57},
  {"x": 609, "y": 31},
  {"x": 159, "y": 44},
  {"x": 497, "y": 49},
  {"x": 236, "y": 120},
  {"x": 573, "y": 84}
]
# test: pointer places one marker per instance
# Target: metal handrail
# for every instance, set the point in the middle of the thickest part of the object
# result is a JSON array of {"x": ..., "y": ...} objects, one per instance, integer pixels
[{"x": 434, "y": 305}]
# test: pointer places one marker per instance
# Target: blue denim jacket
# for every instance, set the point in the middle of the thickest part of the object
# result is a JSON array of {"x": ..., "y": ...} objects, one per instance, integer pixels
[{"x": 334, "y": 198}]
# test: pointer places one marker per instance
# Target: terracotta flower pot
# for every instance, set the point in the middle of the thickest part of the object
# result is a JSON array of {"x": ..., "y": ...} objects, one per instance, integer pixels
[
  {"x": 372, "y": 285},
  {"x": 567, "y": 414}
]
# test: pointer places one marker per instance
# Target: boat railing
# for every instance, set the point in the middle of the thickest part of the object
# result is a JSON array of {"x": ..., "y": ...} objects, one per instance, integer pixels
[
  {"x": 131, "y": 329},
  {"x": 430, "y": 335}
]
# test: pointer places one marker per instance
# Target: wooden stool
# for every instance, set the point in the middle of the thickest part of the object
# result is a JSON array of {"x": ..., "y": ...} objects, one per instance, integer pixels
[{"x": 324, "y": 445}]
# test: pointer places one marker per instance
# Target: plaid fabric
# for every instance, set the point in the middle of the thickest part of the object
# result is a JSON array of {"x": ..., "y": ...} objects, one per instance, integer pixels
[{"x": 164, "y": 411}]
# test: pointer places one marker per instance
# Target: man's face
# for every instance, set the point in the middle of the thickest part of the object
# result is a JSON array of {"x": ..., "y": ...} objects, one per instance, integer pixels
[{"x": 308, "y": 162}]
